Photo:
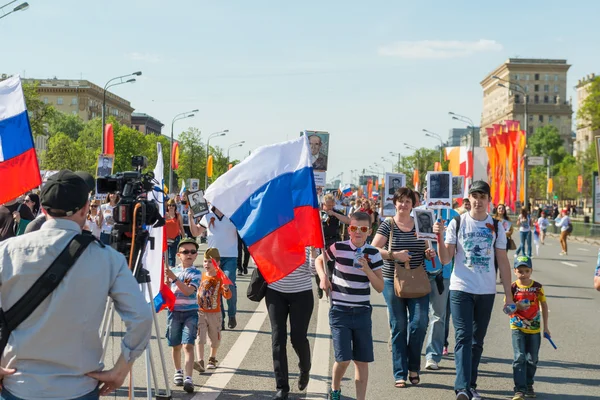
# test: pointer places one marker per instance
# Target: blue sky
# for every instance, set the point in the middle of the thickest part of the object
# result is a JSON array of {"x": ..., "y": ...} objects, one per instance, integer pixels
[{"x": 373, "y": 74}]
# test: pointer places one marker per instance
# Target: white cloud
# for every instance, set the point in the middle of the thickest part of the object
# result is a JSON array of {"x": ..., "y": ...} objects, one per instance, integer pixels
[
  {"x": 438, "y": 49},
  {"x": 145, "y": 57}
]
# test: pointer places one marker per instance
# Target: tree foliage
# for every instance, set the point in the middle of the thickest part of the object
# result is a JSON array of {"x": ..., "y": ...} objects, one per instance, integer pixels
[
  {"x": 40, "y": 114},
  {"x": 423, "y": 160},
  {"x": 546, "y": 141},
  {"x": 589, "y": 112}
]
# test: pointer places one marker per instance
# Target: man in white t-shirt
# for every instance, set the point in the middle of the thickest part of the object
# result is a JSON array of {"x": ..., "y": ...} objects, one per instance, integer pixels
[
  {"x": 222, "y": 235},
  {"x": 473, "y": 282}
]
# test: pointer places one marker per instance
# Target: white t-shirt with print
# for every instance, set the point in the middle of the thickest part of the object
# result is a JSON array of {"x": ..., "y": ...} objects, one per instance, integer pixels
[
  {"x": 107, "y": 212},
  {"x": 474, "y": 270},
  {"x": 221, "y": 235}
]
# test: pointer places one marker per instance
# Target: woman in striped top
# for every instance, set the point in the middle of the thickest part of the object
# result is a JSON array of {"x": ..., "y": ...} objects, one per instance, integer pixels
[
  {"x": 408, "y": 317},
  {"x": 291, "y": 296}
]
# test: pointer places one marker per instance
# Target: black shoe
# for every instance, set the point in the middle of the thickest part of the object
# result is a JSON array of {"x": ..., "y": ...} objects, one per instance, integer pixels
[
  {"x": 223, "y": 325},
  {"x": 320, "y": 293},
  {"x": 303, "y": 380},
  {"x": 245, "y": 270},
  {"x": 232, "y": 323},
  {"x": 239, "y": 272},
  {"x": 281, "y": 395}
]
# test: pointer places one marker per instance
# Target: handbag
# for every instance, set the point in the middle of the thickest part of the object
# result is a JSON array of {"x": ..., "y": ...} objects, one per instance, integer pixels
[
  {"x": 510, "y": 244},
  {"x": 42, "y": 288},
  {"x": 408, "y": 283},
  {"x": 257, "y": 288}
]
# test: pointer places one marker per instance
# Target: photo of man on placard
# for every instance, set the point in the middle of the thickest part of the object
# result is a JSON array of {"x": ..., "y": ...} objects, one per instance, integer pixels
[
  {"x": 424, "y": 224},
  {"x": 105, "y": 165},
  {"x": 439, "y": 185},
  {"x": 458, "y": 183},
  {"x": 319, "y": 149},
  {"x": 198, "y": 203}
]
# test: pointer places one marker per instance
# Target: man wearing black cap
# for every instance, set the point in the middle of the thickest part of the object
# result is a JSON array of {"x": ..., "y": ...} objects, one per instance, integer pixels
[
  {"x": 37, "y": 223},
  {"x": 476, "y": 239},
  {"x": 57, "y": 350},
  {"x": 10, "y": 213}
]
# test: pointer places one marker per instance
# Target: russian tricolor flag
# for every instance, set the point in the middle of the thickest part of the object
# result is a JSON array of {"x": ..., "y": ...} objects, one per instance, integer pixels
[
  {"x": 347, "y": 191},
  {"x": 271, "y": 199},
  {"x": 19, "y": 169}
]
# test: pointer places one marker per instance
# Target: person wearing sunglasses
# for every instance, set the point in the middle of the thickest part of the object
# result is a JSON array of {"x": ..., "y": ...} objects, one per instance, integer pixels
[
  {"x": 357, "y": 268},
  {"x": 32, "y": 200},
  {"x": 174, "y": 229},
  {"x": 93, "y": 222},
  {"x": 182, "y": 321}
]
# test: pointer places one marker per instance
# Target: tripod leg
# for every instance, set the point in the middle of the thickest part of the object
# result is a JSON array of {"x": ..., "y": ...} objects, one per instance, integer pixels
[
  {"x": 109, "y": 313},
  {"x": 105, "y": 316},
  {"x": 158, "y": 337}
]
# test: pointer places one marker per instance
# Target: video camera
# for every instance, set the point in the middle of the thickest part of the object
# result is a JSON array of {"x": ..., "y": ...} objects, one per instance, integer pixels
[{"x": 134, "y": 212}]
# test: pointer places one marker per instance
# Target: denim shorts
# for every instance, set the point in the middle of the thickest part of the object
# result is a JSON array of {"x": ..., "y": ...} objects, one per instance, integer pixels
[
  {"x": 351, "y": 331},
  {"x": 182, "y": 327}
]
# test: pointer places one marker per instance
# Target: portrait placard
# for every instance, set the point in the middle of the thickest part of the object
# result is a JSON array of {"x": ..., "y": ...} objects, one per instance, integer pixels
[{"x": 439, "y": 190}]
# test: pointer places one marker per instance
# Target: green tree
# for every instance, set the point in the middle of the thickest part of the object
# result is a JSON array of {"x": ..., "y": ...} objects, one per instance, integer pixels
[
  {"x": 590, "y": 109},
  {"x": 40, "y": 114},
  {"x": 70, "y": 125},
  {"x": 63, "y": 153},
  {"x": 423, "y": 160},
  {"x": 546, "y": 141},
  {"x": 565, "y": 180},
  {"x": 192, "y": 155}
]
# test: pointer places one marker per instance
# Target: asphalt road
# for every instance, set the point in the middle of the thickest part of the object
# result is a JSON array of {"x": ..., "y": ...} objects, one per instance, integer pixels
[{"x": 571, "y": 372}]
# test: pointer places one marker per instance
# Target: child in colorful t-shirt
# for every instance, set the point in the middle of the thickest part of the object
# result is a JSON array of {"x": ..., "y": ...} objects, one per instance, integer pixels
[
  {"x": 597, "y": 274},
  {"x": 529, "y": 298},
  {"x": 209, "y": 315}
]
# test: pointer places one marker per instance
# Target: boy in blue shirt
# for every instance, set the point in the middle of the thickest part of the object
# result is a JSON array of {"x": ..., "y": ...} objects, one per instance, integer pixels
[{"x": 182, "y": 321}]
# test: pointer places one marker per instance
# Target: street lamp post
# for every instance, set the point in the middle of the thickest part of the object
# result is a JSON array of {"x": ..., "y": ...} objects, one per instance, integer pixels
[
  {"x": 238, "y": 144},
  {"x": 464, "y": 119},
  {"x": 108, "y": 85},
  {"x": 390, "y": 161},
  {"x": 216, "y": 134},
  {"x": 187, "y": 114},
  {"x": 518, "y": 88},
  {"x": 438, "y": 137},
  {"x": 417, "y": 158},
  {"x": 396, "y": 155},
  {"x": 21, "y": 7}
]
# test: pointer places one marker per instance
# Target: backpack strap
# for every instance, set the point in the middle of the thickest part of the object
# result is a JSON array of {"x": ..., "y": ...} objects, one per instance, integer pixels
[
  {"x": 495, "y": 233},
  {"x": 457, "y": 219}
]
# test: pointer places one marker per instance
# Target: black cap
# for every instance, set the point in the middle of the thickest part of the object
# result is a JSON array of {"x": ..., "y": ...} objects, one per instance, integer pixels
[
  {"x": 64, "y": 193},
  {"x": 480, "y": 187},
  {"x": 88, "y": 179}
]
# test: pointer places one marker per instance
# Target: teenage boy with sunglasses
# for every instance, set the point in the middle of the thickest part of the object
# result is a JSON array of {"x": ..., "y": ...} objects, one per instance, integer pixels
[
  {"x": 357, "y": 268},
  {"x": 182, "y": 321}
]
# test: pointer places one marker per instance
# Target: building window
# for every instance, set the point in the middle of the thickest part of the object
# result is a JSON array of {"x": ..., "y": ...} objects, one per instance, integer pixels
[
  {"x": 74, "y": 112},
  {"x": 530, "y": 117},
  {"x": 517, "y": 99},
  {"x": 527, "y": 77},
  {"x": 516, "y": 77},
  {"x": 546, "y": 99},
  {"x": 550, "y": 119},
  {"x": 93, "y": 114},
  {"x": 45, "y": 100},
  {"x": 536, "y": 88},
  {"x": 546, "y": 88},
  {"x": 555, "y": 78},
  {"x": 537, "y": 77},
  {"x": 546, "y": 77},
  {"x": 526, "y": 87},
  {"x": 74, "y": 101},
  {"x": 536, "y": 99},
  {"x": 59, "y": 101},
  {"x": 540, "y": 118},
  {"x": 555, "y": 88},
  {"x": 555, "y": 99}
]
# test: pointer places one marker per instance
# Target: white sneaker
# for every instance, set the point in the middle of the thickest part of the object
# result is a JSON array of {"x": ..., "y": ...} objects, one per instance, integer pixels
[
  {"x": 462, "y": 395},
  {"x": 475, "y": 395},
  {"x": 432, "y": 365}
]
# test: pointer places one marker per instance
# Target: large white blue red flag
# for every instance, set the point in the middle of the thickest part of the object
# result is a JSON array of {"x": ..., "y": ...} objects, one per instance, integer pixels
[
  {"x": 155, "y": 257},
  {"x": 19, "y": 169},
  {"x": 271, "y": 199}
]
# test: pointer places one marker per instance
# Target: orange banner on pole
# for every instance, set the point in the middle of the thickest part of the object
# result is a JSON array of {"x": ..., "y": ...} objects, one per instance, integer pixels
[
  {"x": 369, "y": 188},
  {"x": 437, "y": 166},
  {"x": 416, "y": 179},
  {"x": 580, "y": 183},
  {"x": 209, "y": 166},
  {"x": 550, "y": 186}
]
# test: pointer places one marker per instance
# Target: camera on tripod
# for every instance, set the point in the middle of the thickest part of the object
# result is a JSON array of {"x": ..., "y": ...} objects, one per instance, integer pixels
[{"x": 134, "y": 212}]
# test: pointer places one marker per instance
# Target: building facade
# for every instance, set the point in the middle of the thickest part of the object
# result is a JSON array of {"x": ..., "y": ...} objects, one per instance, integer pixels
[
  {"x": 540, "y": 82},
  {"x": 82, "y": 98},
  {"x": 584, "y": 135},
  {"x": 455, "y": 135},
  {"x": 146, "y": 124},
  {"x": 467, "y": 134}
]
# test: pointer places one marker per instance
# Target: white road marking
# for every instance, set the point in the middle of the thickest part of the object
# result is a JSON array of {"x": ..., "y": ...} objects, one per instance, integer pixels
[
  {"x": 219, "y": 380},
  {"x": 582, "y": 249},
  {"x": 569, "y": 264},
  {"x": 319, "y": 388}
]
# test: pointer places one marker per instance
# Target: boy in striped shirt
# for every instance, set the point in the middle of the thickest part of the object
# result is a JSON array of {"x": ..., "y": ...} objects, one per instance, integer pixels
[
  {"x": 182, "y": 321},
  {"x": 357, "y": 268}
]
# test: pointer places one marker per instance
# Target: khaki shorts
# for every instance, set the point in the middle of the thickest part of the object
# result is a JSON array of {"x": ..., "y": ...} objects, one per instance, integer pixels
[{"x": 209, "y": 323}]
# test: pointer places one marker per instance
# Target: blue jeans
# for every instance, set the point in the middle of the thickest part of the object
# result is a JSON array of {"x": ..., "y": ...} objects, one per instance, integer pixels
[
  {"x": 408, "y": 322},
  {"x": 351, "y": 333},
  {"x": 526, "y": 347},
  {"x": 182, "y": 327},
  {"x": 172, "y": 251},
  {"x": 525, "y": 240},
  {"x": 471, "y": 315},
  {"x": 437, "y": 320},
  {"x": 93, "y": 395},
  {"x": 229, "y": 267}
]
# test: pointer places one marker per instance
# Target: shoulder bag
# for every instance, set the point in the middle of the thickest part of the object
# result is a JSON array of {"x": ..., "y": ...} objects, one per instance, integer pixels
[
  {"x": 408, "y": 283},
  {"x": 257, "y": 288},
  {"x": 41, "y": 289}
]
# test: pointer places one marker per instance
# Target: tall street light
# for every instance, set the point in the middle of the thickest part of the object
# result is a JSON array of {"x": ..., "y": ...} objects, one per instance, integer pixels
[
  {"x": 109, "y": 85},
  {"x": 212, "y": 135},
  {"x": 417, "y": 158},
  {"x": 396, "y": 155},
  {"x": 380, "y": 166},
  {"x": 238, "y": 144},
  {"x": 464, "y": 119},
  {"x": 21, "y": 7},
  {"x": 515, "y": 87},
  {"x": 390, "y": 161},
  {"x": 438, "y": 137},
  {"x": 187, "y": 114}
]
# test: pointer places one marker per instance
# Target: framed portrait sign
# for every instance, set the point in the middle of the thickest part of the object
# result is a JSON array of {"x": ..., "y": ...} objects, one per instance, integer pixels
[
  {"x": 105, "y": 165},
  {"x": 194, "y": 184},
  {"x": 319, "y": 149},
  {"x": 198, "y": 203},
  {"x": 458, "y": 187},
  {"x": 393, "y": 182},
  {"x": 424, "y": 223},
  {"x": 439, "y": 190}
]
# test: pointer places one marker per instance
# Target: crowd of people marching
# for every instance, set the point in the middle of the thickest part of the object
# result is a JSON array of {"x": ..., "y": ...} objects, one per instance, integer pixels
[{"x": 425, "y": 284}]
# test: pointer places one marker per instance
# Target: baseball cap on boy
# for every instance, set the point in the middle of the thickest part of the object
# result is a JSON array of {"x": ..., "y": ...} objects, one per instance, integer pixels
[
  {"x": 64, "y": 194},
  {"x": 523, "y": 261},
  {"x": 480, "y": 187}
]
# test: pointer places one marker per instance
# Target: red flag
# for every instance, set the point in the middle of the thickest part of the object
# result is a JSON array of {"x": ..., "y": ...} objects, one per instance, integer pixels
[
  {"x": 579, "y": 183},
  {"x": 175, "y": 155},
  {"x": 416, "y": 179},
  {"x": 369, "y": 188},
  {"x": 221, "y": 274},
  {"x": 109, "y": 140}
]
